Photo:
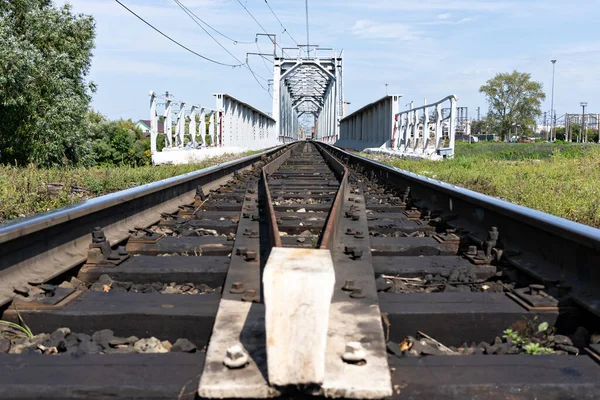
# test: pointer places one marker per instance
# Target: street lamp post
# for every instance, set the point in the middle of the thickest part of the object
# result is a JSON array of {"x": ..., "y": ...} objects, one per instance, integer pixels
[
  {"x": 552, "y": 120},
  {"x": 583, "y": 104}
]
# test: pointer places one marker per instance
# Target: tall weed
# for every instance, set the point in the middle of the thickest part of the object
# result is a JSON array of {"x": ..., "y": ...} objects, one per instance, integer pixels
[
  {"x": 560, "y": 179},
  {"x": 30, "y": 190}
]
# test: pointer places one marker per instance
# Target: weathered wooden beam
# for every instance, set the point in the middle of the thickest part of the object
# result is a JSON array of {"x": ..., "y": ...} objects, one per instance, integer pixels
[{"x": 298, "y": 286}]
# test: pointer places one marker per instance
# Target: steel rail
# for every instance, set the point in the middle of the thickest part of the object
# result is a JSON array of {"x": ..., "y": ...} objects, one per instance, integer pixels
[
  {"x": 550, "y": 248},
  {"x": 43, "y": 246},
  {"x": 330, "y": 232},
  {"x": 266, "y": 171}
]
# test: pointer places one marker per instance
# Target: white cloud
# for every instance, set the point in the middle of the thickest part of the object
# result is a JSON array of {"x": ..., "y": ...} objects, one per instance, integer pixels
[
  {"x": 368, "y": 29},
  {"x": 422, "y": 48},
  {"x": 466, "y": 19},
  {"x": 441, "y": 21}
]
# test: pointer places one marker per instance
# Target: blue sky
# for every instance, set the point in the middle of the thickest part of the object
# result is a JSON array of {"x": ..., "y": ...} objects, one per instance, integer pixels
[{"x": 420, "y": 48}]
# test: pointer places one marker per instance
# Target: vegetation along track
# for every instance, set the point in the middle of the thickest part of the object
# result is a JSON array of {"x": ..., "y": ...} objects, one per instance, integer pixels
[{"x": 438, "y": 292}]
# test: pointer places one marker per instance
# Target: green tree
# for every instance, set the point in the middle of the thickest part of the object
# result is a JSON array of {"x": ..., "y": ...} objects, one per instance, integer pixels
[
  {"x": 576, "y": 133},
  {"x": 560, "y": 133},
  {"x": 514, "y": 102},
  {"x": 578, "y": 136},
  {"x": 45, "y": 55},
  {"x": 117, "y": 142},
  {"x": 478, "y": 127}
]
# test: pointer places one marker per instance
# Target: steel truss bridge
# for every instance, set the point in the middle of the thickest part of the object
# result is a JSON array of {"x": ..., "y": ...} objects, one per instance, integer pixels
[{"x": 305, "y": 83}]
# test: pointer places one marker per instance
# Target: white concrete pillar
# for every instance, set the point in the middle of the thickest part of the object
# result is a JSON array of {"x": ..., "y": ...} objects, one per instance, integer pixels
[
  {"x": 211, "y": 130},
  {"x": 438, "y": 126},
  {"x": 180, "y": 127},
  {"x": 153, "y": 123},
  {"x": 202, "y": 127},
  {"x": 192, "y": 131},
  {"x": 452, "y": 126},
  {"x": 425, "y": 129},
  {"x": 168, "y": 125}
]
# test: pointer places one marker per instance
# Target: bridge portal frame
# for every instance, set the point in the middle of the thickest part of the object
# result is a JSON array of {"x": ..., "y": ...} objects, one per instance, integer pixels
[{"x": 310, "y": 84}]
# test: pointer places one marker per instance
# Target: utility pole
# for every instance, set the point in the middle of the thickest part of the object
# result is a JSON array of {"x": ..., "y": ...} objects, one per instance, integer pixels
[
  {"x": 552, "y": 113},
  {"x": 478, "y": 110},
  {"x": 583, "y": 104},
  {"x": 307, "y": 35}
]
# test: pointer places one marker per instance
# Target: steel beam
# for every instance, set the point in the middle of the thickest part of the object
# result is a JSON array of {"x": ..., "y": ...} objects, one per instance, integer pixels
[
  {"x": 419, "y": 131},
  {"x": 308, "y": 84},
  {"x": 242, "y": 125}
]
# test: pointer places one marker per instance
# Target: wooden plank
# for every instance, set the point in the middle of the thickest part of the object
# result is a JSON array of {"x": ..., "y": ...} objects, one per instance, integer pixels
[
  {"x": 454, "y": 318},
  {"x": 192, "y": 245},
  {"x": 417, "y": 266},
  {"x": 296, "y": 328},
  {"x": 391, "y": 226},
  {"x": 173, "y": 376},
  {"x": 317, "y": 208},
  {"x": 222, "y": 227},
  {"x": 550, "y": 377},
  {"x": 100, "y": 376},
  {"x": 411, "y": 246},
  {"x": 209, "y": 270},
  {"x": 165, "y": 316}
]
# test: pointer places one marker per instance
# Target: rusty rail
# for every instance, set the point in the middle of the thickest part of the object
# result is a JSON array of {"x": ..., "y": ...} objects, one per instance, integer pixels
[
  {"x": 266, "y": 171},
  {"x": 549, "y": 248},
  {"x": 330, "y": 232},
  {"x": 46, "y": 245}
]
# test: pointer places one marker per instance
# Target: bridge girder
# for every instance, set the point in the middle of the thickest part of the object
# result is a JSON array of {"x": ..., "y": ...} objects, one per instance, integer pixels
[{"x": 308, "y": 85}]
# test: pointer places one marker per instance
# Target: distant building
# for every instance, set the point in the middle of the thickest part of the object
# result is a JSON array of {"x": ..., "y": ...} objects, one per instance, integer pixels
[{"x": 144, "y": 125}]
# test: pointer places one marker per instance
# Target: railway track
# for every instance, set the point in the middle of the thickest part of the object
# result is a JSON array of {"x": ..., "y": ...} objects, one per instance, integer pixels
[{"x": 303, "y": 271}]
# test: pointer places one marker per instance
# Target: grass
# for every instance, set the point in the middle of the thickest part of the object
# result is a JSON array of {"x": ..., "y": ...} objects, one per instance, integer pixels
[
  {"x": 560, "y": 179},
  {"x": 30, "y": 190},
  {"x": 19, "y": 330},
  {"x": 533, "y": 338}
]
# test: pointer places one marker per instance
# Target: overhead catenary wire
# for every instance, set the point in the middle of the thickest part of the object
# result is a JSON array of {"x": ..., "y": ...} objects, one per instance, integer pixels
[
  {"x": 204, "y": 29},
  {"x": 183, "y": 6},
  {"x": 259, "y": 24},
  {"x": 176, "y": 42},
  {"x": 263, "y": 58},
  {"x": 255, "y": 75},
  {"x": 280, "y": 23},
  {"x": 256, "y": 79}
]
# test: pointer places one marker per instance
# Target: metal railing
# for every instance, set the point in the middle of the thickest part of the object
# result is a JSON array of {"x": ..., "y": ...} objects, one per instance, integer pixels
[
  {"x": 422, "y": 131},
  {"x": 201, "y": 132},
  {"x": 419, "y": 132},
  {"x": 192, "y": 123}
]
